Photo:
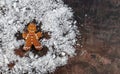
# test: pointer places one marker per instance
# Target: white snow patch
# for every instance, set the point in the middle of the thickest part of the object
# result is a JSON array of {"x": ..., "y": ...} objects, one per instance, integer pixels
[{"x": 57, "y": 21}]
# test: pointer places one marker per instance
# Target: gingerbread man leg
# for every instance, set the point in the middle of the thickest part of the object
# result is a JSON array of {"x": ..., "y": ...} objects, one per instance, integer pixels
[
  {"x": 37, "y": 45},
  {"x": 27, "y": 46}
]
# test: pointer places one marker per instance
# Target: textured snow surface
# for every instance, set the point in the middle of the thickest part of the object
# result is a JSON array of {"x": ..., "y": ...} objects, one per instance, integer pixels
[{"x": 57, "y": 21}]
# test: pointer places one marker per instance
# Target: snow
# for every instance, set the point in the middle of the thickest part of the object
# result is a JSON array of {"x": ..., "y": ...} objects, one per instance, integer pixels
[{"x": 57, "y": 20}]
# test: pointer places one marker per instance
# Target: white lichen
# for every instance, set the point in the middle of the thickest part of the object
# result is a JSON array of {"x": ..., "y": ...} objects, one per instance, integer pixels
[{"x": 57, "y": 20}]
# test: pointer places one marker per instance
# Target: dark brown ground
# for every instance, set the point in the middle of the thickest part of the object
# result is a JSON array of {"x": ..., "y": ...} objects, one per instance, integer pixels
[{"x": 99, "y": 24}]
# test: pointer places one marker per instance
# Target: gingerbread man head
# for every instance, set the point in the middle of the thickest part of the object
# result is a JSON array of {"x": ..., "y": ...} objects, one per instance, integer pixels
[{"x": 31, "y": 27}]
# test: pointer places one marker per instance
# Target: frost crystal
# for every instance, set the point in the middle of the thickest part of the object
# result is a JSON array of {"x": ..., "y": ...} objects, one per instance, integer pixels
[{"x": 57, "y": 21}]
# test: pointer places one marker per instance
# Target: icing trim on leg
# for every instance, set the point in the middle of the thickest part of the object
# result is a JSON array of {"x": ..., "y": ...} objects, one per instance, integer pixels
[
  {"x": 26, "y": 48},
  {"x": 38, "y": 47}
]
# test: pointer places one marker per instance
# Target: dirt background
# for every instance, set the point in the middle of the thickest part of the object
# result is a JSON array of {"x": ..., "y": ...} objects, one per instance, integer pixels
[{"x": 99, "y": 25}]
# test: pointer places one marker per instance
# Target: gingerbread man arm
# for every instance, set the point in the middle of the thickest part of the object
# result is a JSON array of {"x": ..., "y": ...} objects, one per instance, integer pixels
[
  {"x": 39, "y": 35},
  {"x": 24, "y": 35}
]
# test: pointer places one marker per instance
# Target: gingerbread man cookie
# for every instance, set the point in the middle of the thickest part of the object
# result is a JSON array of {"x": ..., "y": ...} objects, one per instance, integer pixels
[{"x": 31, "y": 38}]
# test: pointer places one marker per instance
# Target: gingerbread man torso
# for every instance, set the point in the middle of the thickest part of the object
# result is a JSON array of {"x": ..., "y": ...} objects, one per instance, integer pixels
[{"x": 32, "y": 39}]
